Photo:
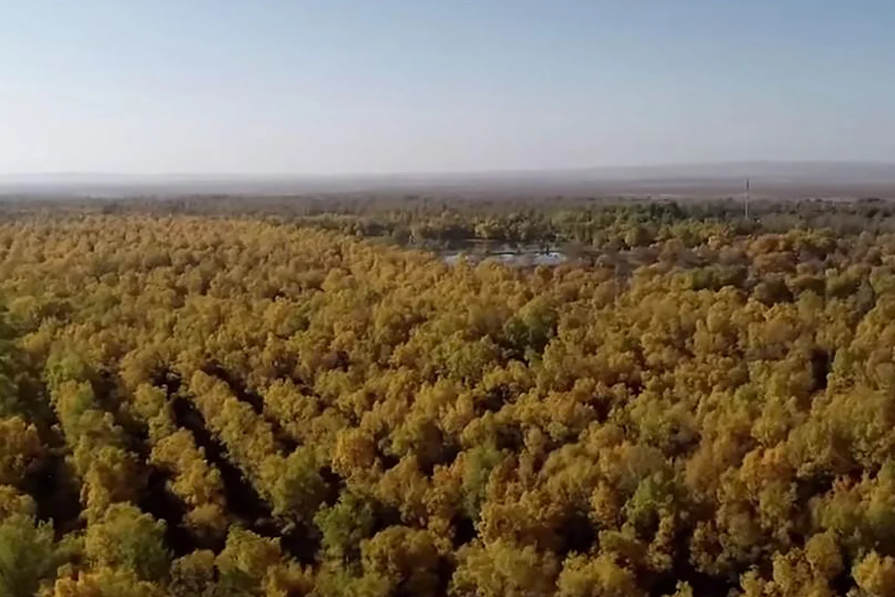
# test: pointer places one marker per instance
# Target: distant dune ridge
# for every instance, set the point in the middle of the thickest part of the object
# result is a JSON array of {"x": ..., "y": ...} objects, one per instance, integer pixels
[{"x": 772, "y": 179}]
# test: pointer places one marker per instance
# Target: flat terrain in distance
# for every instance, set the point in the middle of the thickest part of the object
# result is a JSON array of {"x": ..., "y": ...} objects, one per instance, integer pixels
[{"x": 775, "y": 180}]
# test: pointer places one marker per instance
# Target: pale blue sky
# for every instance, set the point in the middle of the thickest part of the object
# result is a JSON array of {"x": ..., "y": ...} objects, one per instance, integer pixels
[{"x": 256, "y": 86}]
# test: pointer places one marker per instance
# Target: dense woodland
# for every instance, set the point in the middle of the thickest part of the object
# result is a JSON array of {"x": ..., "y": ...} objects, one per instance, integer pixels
[{"x": 198, "y": 402}]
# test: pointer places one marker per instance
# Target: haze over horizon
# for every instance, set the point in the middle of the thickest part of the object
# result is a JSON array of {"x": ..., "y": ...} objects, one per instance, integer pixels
[{"x": 419, "y": 86}]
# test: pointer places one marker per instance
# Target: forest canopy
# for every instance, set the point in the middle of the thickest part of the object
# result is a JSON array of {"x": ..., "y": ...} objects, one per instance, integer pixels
[{"x": 206, "y": 403}]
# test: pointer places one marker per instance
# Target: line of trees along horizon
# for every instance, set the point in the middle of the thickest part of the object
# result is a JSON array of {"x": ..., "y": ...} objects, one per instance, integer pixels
[{"x": 252, "y": 405}]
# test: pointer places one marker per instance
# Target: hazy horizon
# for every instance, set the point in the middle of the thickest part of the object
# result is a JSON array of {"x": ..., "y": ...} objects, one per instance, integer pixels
[
  {"x": 769, "y": 179},
  {"x": 706, "y": 168},
  {"x": 407, "y": 87}
]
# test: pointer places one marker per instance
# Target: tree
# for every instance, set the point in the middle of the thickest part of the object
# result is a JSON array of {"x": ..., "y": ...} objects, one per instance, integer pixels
[
  {"x": 505, "y": 570},
  {"x": 27, "y": 555},
  {"x": 294, "y": 484},
  {"x": 20, "y": 450},
  {"x": 105, "y": 583},
  {"x": 344, "y": 525},
  {"x": 406, "y": 557},
  {"x": 875, "y": 575},
  {"x": 126, "y": 539},
  {"x": 246, "y": 560},
  {"x": 600, "y": 576}
]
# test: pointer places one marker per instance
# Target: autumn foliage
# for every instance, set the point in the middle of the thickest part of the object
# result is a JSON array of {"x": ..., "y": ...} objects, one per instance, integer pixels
[{"x": 236, "y": 406}]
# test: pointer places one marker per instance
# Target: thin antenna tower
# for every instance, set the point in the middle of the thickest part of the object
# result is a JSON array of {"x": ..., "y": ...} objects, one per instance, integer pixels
[{"x": 746, "y": 201}]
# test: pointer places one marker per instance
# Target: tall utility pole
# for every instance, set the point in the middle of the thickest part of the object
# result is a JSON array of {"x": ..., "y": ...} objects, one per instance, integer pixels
[{"x": 746, "y": 201}]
